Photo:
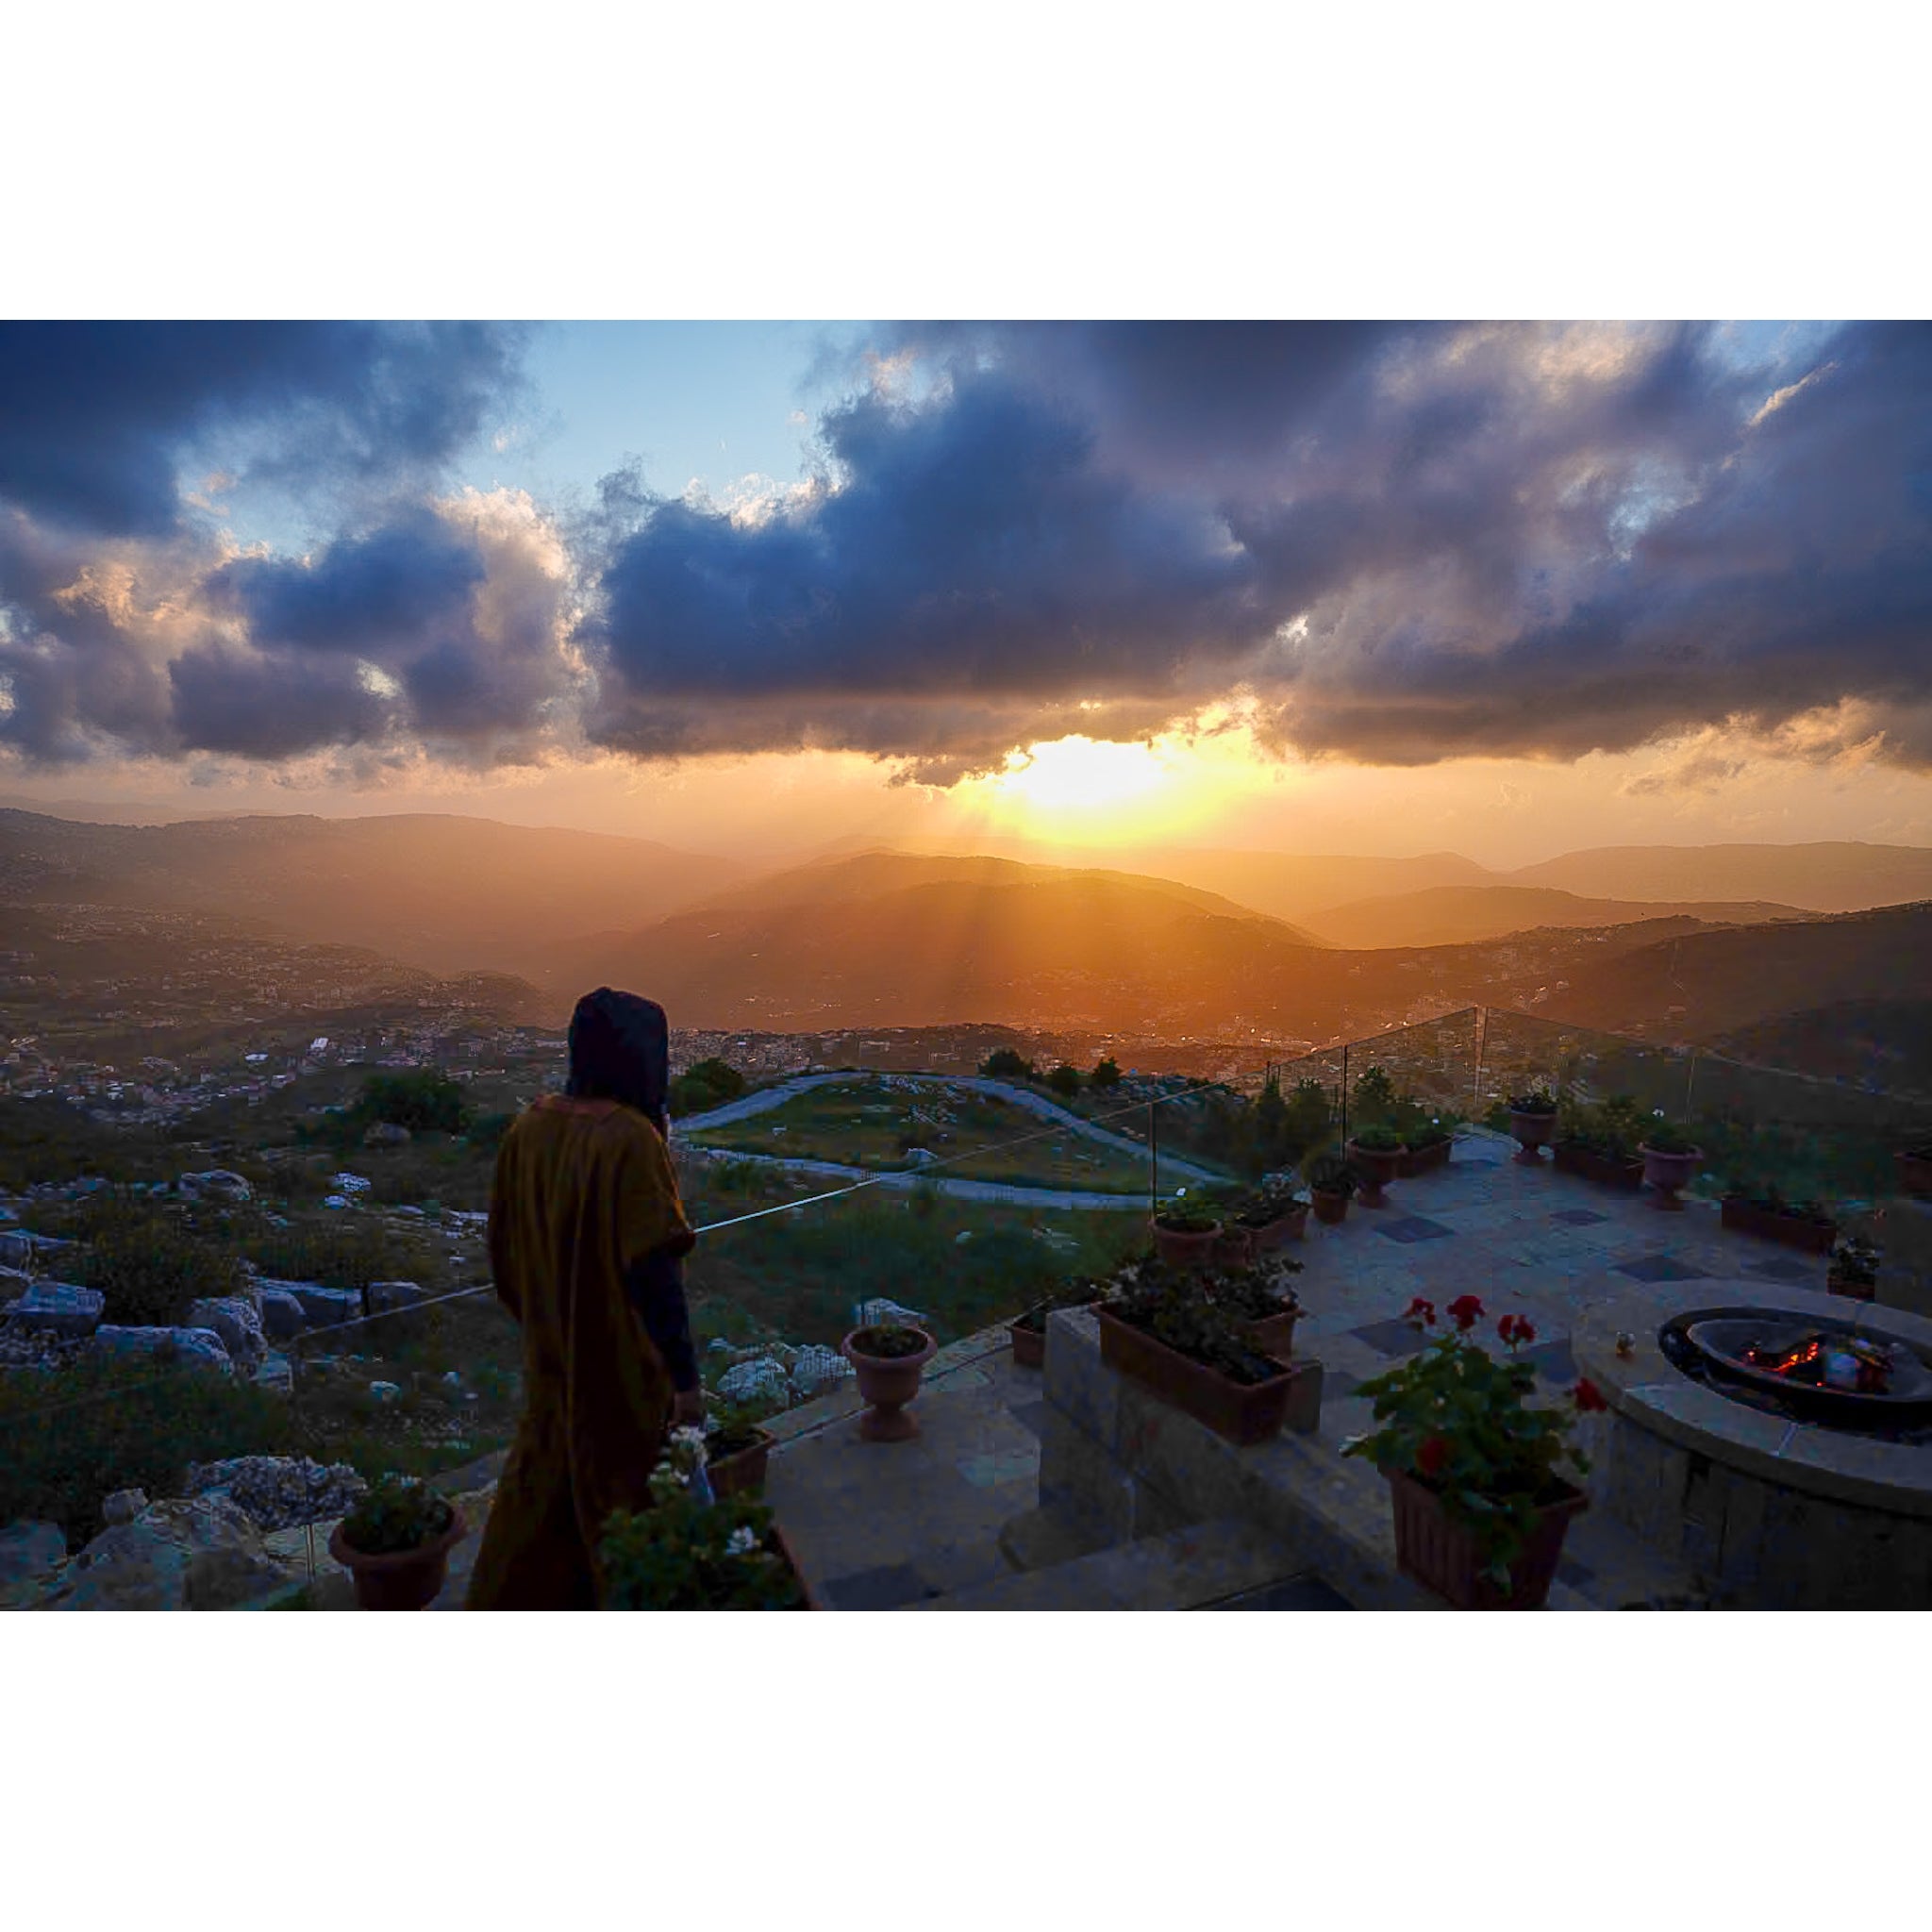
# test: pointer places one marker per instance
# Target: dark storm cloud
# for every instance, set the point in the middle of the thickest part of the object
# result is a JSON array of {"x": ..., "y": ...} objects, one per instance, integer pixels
[
  {"x": 95, "y": 417},
  {"x": 272, "y": 707},
  {"x": 394, "y": 587},
  {"x": 972, "y": 546}
]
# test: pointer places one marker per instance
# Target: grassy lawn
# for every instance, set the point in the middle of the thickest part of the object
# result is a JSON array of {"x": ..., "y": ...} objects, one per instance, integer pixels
[{"x": 864, "y": 1123}]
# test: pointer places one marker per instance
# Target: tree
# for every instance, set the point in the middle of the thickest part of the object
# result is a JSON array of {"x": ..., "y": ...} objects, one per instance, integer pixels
[
  {"x": 1064, "y": 1080},
  {"x": 1374, "y": 1097},
  {"x": 1107, "y": 1074},
  {"x": 421, "y": 1101},
  {"x": 708, "y": 1084},
  {"x": 1003, "y": 1063}
]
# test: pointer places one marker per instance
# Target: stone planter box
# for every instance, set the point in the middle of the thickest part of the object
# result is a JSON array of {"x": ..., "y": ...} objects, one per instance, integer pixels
[
  {"x": 1239, "y": 1413},
  {"x": 1573, "y": 1157},
  {"x": 1800, "y": 1231},
  {"x": 1417, "y": 1160}
]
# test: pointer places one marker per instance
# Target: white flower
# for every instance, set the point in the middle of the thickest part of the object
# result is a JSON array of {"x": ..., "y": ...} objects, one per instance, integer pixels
[{"x": 741, "y": 1542}]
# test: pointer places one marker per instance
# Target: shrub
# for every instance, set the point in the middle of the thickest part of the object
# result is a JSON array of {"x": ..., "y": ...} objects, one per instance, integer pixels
[
  {"x": 424, "y": 1101},
  {"x": 119, "y": 1425},
  {"x": 1003, "y": 1063},
  {"x": 1064, "y": 1080},
  {"x": 697, "y": 1090},
  {"x": 343, "y": 1254},
  {"x": 150, "y": 1265},
  {"x": 1107, "y": 1074}
]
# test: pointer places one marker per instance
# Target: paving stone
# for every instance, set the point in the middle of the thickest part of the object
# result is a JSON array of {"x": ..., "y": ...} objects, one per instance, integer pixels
[
  {"x": 1395, "y": 1338},
  {"x": 1553, "y": 1362},
  {"x": 1029, "y": 1415},
  {"x": 1414, "y": 1227},
  {"x": 1659, "y": 1268},
  {"x": 1579, "y": 1217},
  {"x": 1002, "y": 1466},
  {"x": 884, "y": 1588},
  {"x": 1789, "y": 1268},
  {"x": 1297, "y": 1593}
]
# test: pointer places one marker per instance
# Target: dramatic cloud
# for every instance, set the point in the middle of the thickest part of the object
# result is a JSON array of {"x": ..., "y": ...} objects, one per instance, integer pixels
[{"x": 1391, "y": 544}]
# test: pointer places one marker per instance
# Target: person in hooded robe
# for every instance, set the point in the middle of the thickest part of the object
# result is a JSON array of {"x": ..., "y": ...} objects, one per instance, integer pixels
[{"x": 587, "y": 1235}]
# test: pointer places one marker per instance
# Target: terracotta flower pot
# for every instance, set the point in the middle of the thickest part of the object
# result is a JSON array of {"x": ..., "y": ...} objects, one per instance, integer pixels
[
  {"x": 1667, "y": 1172},
  {"x": 1533, "y": 1132},
  {"x": 402, "y": 1579},
  {"x": 1330, "y": 1210},
  {"x": 1242, "y": 1413},
  {"x": 1029, "y": 1346},
  {"x": 1272, "y": 1334},
  {"x": 1180, "y": 1250},
  {"x": 888, "y": 1383},
  {"x": 1377, "y": 1170},
  {"x": 1420, "y": 1160},
  {"x": 742, "y": 1473},
  {"x": 1271, "y": 1235},
  {"x": 1441, "y": 1554}
]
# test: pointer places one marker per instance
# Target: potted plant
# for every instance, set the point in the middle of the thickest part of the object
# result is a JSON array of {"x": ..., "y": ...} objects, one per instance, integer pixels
[
  {"x": 1854, "y": 1269},
  {"x": 1914, "y": 1165},
  {"x": 1183, "y": 1236},
  {"x": 1028, "y": 1331},
  {"x": 1375, "y": 1153},
  {"x": 1273, "y": 1214},
  {"x": 1331, "y": 1183},
  {"x": 1533, "y": 1121},
  {"x": 1599, "y": 1143},
  {"x": 1763, "y": 1211},
  {"x": 1426, "y": 1145},
  {"x": 1475, "y": 1473},
  {"x": 1262, "y": 1304},
  {"x": 1163, "y": 1332},
  {"x": 887, "y": 1359},
  {"x": 738, "y": 1448},
  {"x": 396, "y": 1544},
  {"x": 1670, "y": 1159},
  {"x": 686, "y": 1553}
]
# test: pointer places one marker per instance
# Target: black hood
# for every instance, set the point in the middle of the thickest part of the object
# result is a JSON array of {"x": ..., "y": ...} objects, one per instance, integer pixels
[{"x": 619, "y": 1049}]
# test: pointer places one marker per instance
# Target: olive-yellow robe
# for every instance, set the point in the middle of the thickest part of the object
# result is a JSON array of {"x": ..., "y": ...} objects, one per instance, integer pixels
[{"x": 583, "y": 1191}]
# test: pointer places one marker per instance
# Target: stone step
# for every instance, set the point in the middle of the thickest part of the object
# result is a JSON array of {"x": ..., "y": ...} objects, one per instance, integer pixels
[{"x": 1201, "y": 1566}]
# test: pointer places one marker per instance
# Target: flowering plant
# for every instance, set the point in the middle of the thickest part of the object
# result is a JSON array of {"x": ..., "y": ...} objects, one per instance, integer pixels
[
  {"x": 682, "y": 1553},
  {"x": 1460, "y": 1422},
  {"x": 1537, "y": 1100}
]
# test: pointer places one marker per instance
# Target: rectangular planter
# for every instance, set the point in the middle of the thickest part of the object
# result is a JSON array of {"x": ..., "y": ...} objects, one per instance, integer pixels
[
  {"x": 1571, "y": 1159},
  {"x": 1789, "y": 1230},
  {"x": 745, "y": 1472},
  {"x": 1441, "y": 1554},
  {"x": 1237, "y": 1413},
  {"x": 1029, "y": 1346},
  {"x": 1417, "y": 1160}
]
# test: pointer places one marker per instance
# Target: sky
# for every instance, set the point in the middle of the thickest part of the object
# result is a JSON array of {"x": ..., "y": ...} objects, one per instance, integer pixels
[{"x": 1506, "y": 589}]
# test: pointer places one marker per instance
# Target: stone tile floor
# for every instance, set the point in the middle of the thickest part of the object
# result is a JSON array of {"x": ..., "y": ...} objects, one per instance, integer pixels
[{"x": 891, "y": 1525}]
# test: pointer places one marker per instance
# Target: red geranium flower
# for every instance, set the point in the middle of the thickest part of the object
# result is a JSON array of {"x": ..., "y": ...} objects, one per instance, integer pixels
[
  {"x": 1465, "y": 1310},
  {"x": 1431, "y": 1456},
  {"x": 1420, "y": 1311},
  {"x": 1515, "y": 1330},
  {"x": 1588, "y": 1396}
]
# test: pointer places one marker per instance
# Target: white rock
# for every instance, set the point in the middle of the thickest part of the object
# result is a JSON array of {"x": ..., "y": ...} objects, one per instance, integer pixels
[
  {"x": 385, "y": 1391},
  {"x": 275, "y": 1374},
  {"x": 199, "y": 1555},
  {"x": 816, "y": 1368},
  {"x": 879, "y": 1311},
  {"x": 29, "y": 1550},
  {"x": 198, "y": 1348},
  {"x": 124, "y": 1505},
  {"x": 236, "y": 1319},
  {"x": 218, "y": 1181},
  {"x": 59, "y": 1307}
]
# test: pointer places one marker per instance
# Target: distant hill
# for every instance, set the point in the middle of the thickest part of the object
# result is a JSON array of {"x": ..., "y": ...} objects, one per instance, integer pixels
[
  {"x": 1722, "y": 981},
  {"x": 1885, "y": 1043},
  {"x": 441, "y": 893},
  {"x": 1294, "y": 885},
  {"x": 1831, "y": 876},
  {"x": 1454, "y": 915},
  {"x": 840, "y": 880},
  {"x": 1057, "y": 949}
]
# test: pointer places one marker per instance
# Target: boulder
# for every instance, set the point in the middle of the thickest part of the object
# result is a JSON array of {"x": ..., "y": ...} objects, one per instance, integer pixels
[
  {"x": 276, "y": 1491},
  {"x": 817, "y": 1369},
  {"x": 282, "y": 1314},
  {"x": 323, "y": 1307},
  {"x": 237, "y": 1321},
  {"x": 199, "y": 1554},
  {"x": 881, "y": 1311},
  {"x": 275, "y": 1374},
  {"x": 29, "y": 1550},
  {"x": 124, "y": 1505},
  {"x": 59, "y": 1307},
  {"x": 385, "y": 1295},
  {"x": 218, "y": 1183},
  {"x": 18, "y": 1246},
  {"x": 194, "y": 1347},
  {"x": 14, "y": 1282},
  {"x": 386, "y": 1133},
  {"x": 383, "y": 1392}
]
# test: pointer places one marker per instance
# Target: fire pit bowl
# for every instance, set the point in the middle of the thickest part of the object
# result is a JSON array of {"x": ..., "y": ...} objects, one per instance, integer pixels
[{"x": 1833, "y": 1370}]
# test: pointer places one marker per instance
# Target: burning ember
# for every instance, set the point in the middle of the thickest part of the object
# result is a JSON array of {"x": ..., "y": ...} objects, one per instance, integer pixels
[{"x": 1824, "y": 1362}]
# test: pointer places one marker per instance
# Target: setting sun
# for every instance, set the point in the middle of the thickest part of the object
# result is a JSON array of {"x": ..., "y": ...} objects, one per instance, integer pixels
[{"x": 1076, "y": 775}]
